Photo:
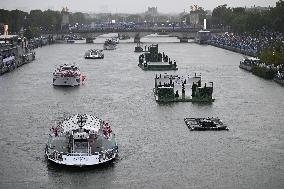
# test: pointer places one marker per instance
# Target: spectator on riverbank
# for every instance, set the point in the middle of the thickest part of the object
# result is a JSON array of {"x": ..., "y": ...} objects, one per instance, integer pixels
[{"x": 252, "y": 43}]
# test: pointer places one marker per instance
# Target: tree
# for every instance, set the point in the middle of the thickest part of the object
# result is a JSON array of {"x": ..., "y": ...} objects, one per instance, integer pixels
[
  {"x": 32, "y": 32},
  {"x": 277, "y": 16}
]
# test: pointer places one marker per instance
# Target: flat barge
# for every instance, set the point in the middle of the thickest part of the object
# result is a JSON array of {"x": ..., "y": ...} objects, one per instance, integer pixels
[
  {"x": 152, "y": 59},
  {"x": 205, "y": 124}
]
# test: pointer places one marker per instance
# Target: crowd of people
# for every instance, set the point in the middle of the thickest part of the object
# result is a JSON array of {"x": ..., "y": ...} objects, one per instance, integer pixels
[{"x": 252, "y": 43}]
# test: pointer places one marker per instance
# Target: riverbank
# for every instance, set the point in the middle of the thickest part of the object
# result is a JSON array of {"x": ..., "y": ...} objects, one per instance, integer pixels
[
  {"x": 266, "y": 71},
  {"x": 14, "y": 53}
]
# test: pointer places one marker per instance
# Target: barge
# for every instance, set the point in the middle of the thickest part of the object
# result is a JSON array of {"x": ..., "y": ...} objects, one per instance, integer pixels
[
  {"x": 205, "y": 124},
  {"x": 174, "y": 88},
  {"x": 154, "y": 60}
]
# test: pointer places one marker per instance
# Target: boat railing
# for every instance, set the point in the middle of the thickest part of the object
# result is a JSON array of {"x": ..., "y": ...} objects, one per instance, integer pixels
[{"x": 103, "y": 155}]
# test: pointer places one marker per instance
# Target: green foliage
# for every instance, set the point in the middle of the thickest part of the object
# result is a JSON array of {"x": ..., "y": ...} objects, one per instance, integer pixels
[
  {"x": 15, "y": 19},
  {"x": 32, "y": 32},
  {"x": 241, "y": 20},
  {"x": 78, "y": 17},
  {"x": 263, "y": 72},
  {"x": 277, "y": 16},
  {"x": 272, "y": 57}
]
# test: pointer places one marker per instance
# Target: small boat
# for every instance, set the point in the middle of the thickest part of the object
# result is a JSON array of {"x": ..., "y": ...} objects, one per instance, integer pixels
[
  {"x": 109, "y": 45},
  {"x": 138, "y": 48},
  {"x": 124, "y": 37},
  {"x": 115, "y": 40},
  {"x": 94, "y": 54},
  {"x": 89, "y": 40},
  {"x": 81, "y": 140},
  {"x": 67, "y": 75},
  {"x": 248, "y": 63},
  {"x": 204, "y": 124}
]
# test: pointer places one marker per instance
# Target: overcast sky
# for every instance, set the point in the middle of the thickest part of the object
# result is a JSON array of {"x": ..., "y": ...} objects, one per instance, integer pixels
[{"x": 127, "y": 6}]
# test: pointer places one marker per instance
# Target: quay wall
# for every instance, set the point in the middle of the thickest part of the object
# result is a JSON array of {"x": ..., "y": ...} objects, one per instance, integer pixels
[{"x": 234, "y": 49}]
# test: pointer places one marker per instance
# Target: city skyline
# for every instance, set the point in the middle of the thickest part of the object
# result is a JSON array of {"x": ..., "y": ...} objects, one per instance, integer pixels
[{"x": 127, "y": 6}]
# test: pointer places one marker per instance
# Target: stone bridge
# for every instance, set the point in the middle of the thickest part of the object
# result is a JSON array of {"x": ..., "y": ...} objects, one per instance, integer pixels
[{"x": 183, "y": 34}]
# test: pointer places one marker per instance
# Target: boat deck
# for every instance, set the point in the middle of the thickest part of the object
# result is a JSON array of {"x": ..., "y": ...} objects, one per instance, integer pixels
[{"x": 60, "y": 144}]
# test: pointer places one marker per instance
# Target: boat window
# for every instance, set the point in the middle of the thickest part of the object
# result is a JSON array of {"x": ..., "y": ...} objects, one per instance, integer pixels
[{"x": 80, "y": 146}]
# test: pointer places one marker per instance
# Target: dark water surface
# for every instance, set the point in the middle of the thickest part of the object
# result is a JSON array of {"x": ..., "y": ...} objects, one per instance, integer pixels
[{"x": 157, "y": 150}]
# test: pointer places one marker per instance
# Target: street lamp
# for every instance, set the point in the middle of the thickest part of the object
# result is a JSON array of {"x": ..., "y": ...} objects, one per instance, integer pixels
[{"x": 274, "y": 60}]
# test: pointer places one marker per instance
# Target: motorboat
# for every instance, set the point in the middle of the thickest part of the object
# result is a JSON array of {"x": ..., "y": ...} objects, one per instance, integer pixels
[
  {"x": 67, "y": 75},
  {"x": 94, "y": 54}
]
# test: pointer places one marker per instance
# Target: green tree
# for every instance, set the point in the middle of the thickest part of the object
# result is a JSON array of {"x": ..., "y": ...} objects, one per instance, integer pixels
[
  {"x": 32, "y": 32},
  {"x": 277, "y": 16}
]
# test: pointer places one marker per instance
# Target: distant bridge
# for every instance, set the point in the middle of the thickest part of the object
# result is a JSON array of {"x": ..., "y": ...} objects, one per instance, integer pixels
[{"x": 183, "y": 34}]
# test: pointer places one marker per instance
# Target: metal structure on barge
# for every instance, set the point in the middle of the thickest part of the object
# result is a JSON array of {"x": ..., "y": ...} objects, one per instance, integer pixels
[
  {"x": 81, "y": 140},
  {"x": 152, "y": 59},
  {"x": 174, "y": 88}
]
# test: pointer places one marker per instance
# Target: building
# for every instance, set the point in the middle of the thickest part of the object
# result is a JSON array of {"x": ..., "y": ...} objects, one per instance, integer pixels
[
  {"x": 196, "y": 15},
  {"x": 153, "y": 11},
  {"x": 65, "y": 18},
  {"x": 257, "y": 9},
  {"x": 194, "y": 18}
]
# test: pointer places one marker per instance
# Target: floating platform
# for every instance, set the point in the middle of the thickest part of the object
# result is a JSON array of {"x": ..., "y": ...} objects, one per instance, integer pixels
[
  {"x": 174, "y": 88},
  {"x": 151, "y": 59},
  {"x": 205, "y": 124}
]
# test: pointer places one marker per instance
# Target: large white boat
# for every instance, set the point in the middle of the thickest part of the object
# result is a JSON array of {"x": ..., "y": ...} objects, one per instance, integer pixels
[
  {"x": 94, "y": 54},
  {"x": 67, "y": 75},
  {"x": 81, "y": 140},
  {"x": 110, "y": 44}
]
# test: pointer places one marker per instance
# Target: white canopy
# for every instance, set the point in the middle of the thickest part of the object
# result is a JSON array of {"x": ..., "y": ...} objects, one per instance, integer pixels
[{"x": 92, "y": 123}]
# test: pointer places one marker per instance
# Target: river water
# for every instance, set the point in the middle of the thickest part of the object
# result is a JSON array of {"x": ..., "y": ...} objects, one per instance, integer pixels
[{"x": 157, "y": 150}]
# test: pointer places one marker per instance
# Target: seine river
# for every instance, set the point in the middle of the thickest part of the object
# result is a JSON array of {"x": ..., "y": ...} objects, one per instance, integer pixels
[{"x": 157, "y": 150}]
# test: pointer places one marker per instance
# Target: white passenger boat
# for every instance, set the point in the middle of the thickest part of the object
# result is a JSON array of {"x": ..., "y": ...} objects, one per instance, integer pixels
[
  {"x": 94, "y": 54},
  {"x": 81, "y": 140},
  {"x": 67, "y": 75},
  {"x": 109, "y": 45}
]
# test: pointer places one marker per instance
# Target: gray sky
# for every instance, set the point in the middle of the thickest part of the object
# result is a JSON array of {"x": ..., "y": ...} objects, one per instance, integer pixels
[{"x": 127, "y": 6}]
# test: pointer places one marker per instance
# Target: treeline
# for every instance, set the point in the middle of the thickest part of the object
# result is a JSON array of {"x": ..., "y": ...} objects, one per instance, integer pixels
[
  {"x": 242, "y": 20},
  {"x": 38, "y": 21},
  {"x": 234, "y": 19}
]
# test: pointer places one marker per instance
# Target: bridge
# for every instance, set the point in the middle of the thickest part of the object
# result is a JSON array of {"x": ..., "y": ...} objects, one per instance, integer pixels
[{"x": 183, "y": 34}]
